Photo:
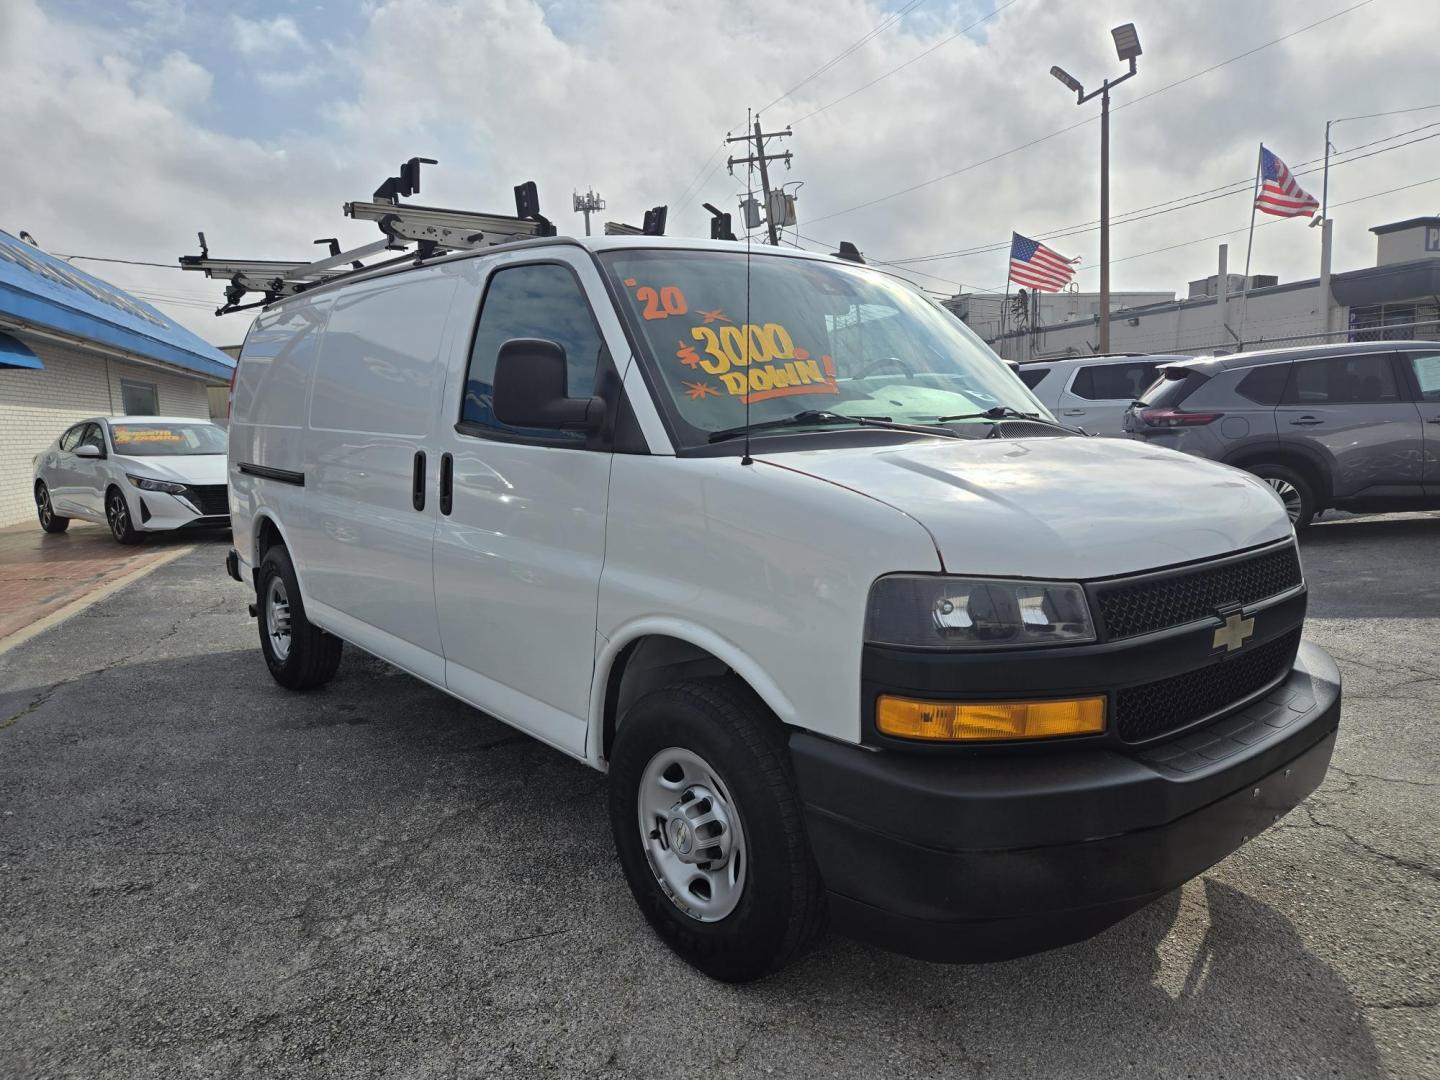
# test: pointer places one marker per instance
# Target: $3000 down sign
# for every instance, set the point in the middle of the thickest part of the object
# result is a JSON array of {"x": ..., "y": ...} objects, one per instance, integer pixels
[{"x": 752, "y": 361}]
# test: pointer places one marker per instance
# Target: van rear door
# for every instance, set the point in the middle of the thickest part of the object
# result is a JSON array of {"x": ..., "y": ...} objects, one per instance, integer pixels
[
  {"x": 367, "y": 521},
  {"x": 521, "y": 536}
]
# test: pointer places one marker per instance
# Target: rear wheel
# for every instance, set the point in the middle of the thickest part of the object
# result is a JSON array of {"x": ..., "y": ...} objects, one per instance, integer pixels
[
  {"x": 709, "y": 830},
  {"x": 1294, "y": 490},
  {"x": 117, "y": 516},
  {"x": 50, "y": 521},
  {"x": 300, "y": 655}
]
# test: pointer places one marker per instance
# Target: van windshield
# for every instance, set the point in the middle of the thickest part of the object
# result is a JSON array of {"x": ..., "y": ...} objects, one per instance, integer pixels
[{"x": 820, "y": 337}]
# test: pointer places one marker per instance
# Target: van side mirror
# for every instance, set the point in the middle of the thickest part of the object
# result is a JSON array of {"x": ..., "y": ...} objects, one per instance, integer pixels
[
  {"x": 531, "y": 389},
  {"x": 89, "y": 450}
]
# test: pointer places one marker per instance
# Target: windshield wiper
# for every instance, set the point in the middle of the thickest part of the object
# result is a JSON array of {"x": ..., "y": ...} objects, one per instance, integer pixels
[
  {"x": 824, "y": 416},
  {"x": 1005, "y": 412}
]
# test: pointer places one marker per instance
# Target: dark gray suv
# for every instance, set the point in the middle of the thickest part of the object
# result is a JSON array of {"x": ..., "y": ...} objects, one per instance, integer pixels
[{"x": 1353, "y": 426}]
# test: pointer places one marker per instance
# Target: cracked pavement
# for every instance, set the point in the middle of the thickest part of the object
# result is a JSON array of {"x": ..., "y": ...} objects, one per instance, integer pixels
[{"x": 204, "y": 875}]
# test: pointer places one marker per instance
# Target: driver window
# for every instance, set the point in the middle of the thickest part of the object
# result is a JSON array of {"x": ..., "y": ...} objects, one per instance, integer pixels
[
  {"x": 93, "y": 437},
  {"x": 537, "y": 301},
  {"x": 71, "y": 438}
]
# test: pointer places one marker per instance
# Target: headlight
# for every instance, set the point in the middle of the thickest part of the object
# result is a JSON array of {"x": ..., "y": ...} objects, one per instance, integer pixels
[
  {"x": 144, "y": 483},
  {"x": 936, "y": 612}
]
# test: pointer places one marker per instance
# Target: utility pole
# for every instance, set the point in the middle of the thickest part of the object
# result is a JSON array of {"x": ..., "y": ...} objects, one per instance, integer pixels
[
  {"x": 759, "y": 157},
  {"x": 588, "y": 204}
]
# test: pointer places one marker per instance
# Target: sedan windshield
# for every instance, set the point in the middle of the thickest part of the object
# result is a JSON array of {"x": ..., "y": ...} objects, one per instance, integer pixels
[
  {"x": 167, "y": 440},
  {"x": 821, "y": 339}
]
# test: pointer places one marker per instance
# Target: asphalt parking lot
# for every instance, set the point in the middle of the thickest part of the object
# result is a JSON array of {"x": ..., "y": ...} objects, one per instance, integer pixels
[{"x": 204, "y": 875}]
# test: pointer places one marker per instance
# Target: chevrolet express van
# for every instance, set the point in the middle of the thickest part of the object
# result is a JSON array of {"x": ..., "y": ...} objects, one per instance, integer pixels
[{"x": 858, "y": 631}]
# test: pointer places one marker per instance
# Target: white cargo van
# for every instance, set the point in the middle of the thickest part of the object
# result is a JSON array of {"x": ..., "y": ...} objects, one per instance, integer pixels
[{"x": 858, "y": 631}]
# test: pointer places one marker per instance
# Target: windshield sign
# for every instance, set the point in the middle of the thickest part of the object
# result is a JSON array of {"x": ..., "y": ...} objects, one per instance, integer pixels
[
  {"x": 167, "y": 440},
  {"x": 818, "y": 337}
]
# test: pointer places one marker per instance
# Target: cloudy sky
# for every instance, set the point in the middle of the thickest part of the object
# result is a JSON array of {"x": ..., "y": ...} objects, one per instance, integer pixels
[{"x": 131, "y": 124}]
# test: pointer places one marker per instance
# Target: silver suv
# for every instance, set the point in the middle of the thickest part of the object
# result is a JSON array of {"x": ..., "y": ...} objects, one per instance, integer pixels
[
  {"x": 1092, "y": 392},
  {"x": 1352, "y": 426}
]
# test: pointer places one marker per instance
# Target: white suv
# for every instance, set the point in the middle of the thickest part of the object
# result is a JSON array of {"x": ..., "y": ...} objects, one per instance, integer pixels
[
  {"x": 855, "y": 627},
  {"x": 1093, "y": 392}
]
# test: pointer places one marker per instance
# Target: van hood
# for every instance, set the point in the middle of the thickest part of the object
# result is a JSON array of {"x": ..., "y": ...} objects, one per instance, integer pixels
[
  {"x": 1065, "y": 508},
  {"x": 180, "y": 468}
]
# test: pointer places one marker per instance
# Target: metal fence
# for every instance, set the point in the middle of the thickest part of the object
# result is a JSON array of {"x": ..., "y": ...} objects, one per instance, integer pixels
[{"x": 1421, "y": 330}]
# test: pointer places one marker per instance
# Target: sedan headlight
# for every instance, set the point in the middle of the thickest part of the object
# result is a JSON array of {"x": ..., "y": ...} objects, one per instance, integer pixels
[
  {"x": 934, "y": 612},
  {"x": 144, "y": 483}
]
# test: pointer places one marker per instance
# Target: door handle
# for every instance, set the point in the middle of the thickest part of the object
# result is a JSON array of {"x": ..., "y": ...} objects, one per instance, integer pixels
[
  {"x": 1433, "y": 420},
  {"x": 1306, "y": 421},
  {"x": 1073, "y": 412},
  {"x": 447, "y": 483},
  {"x": 417, "y": 482}
]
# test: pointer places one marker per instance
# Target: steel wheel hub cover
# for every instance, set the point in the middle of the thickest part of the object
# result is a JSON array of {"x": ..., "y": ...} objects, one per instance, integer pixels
[
  {"x": 691, "y": 833},
  {"x": 277, "y": 618}
]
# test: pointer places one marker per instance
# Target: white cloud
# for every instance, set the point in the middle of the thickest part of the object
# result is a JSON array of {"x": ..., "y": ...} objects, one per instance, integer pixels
[
  {"x": 177, "y": 82},
  {"x": 637, "y": 106},
  {"x": 259, "y": 36}
]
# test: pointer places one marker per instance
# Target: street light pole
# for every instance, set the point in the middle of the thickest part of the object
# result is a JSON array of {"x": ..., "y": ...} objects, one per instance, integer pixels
[
  {"x": 1105, "y": 216},
  {"x": 1127, "y": 47}
]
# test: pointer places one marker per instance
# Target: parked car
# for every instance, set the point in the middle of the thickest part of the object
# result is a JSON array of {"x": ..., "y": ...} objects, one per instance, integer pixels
[
  {"x": 1093, "y": 392},
  {"x": 136, "y": 474},
  {"x": 851, "y": 623},
  {"x": 1351, "y": 426}
]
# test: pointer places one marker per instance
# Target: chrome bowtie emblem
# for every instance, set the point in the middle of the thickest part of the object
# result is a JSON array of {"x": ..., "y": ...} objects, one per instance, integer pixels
[{"x": 1234, "y": 632}]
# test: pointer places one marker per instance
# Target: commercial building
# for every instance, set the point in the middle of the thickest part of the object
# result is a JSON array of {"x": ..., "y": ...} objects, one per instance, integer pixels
[
  {"x": 1398, "y": 297},
  {"x": 72, "y": 346}
]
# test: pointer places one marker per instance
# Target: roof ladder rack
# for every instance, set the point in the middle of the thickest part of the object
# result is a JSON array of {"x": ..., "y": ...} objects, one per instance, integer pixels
[{"x": 432, "y": 230}]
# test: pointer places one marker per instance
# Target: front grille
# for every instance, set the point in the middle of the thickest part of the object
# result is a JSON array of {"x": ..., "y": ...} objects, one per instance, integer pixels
[
  {"x": 210, "y": 499},
  {"x": 1157, "y": 708},
  {"x": 1157, "y": 603}
]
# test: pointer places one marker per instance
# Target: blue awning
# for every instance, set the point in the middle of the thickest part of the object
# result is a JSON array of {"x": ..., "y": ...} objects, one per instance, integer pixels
[
  {"x": 15, "y": 353},
  {"x": 38, "y": 289}
]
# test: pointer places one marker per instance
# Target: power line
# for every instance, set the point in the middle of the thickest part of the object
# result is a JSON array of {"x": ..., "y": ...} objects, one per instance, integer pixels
[
  {"x": 907, "y": 63},
  {"x": 681, "y": 201},
  {"x": 1092, "y": 119},
  {"x": 1263, "y": 224},
  {"x": 885, "y": 24},
  {"x": 1237, "y": 187}
]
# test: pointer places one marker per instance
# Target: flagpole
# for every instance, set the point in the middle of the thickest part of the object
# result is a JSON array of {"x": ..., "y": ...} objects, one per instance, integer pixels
[
  {"x": 1005, "y": 305},
  {"x": 1249, "y": 245}
]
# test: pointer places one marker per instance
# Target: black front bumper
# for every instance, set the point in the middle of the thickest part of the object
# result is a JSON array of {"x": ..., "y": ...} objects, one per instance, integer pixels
[{"x": 988, "y": 857}]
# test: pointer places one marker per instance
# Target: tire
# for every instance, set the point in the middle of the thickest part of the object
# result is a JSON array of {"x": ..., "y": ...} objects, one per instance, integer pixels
[
  {"x": 1294, "y": 490},
  {"x": 117, "y": 516},
  {"x": 300, "y": 656},
  {"x": 50, "y": 521},
  {"x": 768, "y": 904}
]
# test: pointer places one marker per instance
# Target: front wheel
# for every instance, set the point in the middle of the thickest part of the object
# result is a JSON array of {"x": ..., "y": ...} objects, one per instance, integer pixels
[
  {"x": 709, "y": 829},
  {"x": 117, "y": 516},
  {"x": 299, "y": 654},
  {"x": 1294, "y": 491},
  {"x": 50, "y": 521}
]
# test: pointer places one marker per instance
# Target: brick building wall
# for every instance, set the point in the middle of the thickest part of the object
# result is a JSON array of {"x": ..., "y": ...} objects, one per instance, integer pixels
[{"x": 36, "y": 406}]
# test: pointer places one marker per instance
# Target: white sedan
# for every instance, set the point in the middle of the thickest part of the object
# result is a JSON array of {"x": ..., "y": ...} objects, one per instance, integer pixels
[{"x": 136, "y": 474}]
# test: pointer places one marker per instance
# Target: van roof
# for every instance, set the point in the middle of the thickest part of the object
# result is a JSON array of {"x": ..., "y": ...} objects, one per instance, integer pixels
[{"x": 589, "y": 243}]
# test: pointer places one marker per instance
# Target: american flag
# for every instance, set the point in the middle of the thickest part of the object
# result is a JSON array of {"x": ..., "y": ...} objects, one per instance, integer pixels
[
  {"x": 1034, "y": 265},
  {"x": 1279, "y": 193}
]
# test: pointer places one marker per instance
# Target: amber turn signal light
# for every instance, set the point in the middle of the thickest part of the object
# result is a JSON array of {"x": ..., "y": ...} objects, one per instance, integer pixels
[{"x": 978, "y": 721}]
